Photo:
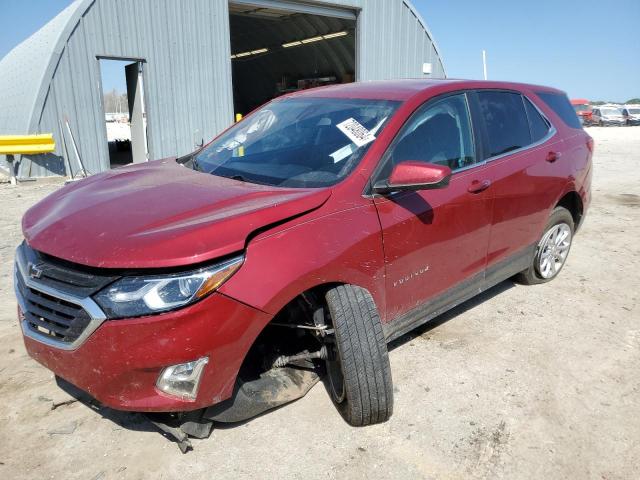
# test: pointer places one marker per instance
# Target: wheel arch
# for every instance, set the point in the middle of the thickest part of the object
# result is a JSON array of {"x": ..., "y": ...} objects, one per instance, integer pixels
[
  {"x": 318, "y": 290},
  {"x": 572, "y": 201},
  {"x": 308, "y": 295}
]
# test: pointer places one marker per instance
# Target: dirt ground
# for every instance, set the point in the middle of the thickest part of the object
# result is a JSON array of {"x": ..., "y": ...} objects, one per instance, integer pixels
[{"x": 522, "y": 382}]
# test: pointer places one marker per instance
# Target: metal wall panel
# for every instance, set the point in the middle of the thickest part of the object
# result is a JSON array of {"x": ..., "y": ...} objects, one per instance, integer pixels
[
  {"x": 187, "y": 73},
  {"x": 326, "y": 9},
  {"x": 394, "y": 42},
  {"x": 185, "y": 47}
]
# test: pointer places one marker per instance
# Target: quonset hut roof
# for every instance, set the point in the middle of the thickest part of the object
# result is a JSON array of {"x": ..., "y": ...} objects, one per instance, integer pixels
[
  {"x": 26, "y": 71},
  {"x": 31, "y": 100}
]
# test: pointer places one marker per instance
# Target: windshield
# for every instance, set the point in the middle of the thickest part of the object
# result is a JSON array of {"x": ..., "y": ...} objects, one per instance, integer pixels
[
  {"x": 634, "y": 111},
  {"x": 298, "y": 142},
  {"x": 582, "y": 108},
  {"x": 611, "y": 111}
]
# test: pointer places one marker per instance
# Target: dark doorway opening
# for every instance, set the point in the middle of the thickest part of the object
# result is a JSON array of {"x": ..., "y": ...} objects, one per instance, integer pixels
[
  {"x": 125, "y": 111},
  {"x": 275, "y": 52}
]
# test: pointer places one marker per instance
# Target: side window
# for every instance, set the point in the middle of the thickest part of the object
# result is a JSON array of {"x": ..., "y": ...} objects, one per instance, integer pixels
[
  {"x": 506, "y": 121},
  {"x": 439, "y": 133},
  {"x": 539, "y": 125},
  {"x": 560, "y": 104}
]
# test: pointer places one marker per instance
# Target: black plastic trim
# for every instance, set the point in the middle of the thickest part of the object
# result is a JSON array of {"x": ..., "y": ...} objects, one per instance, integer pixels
[{"x": 458, "y": 294}]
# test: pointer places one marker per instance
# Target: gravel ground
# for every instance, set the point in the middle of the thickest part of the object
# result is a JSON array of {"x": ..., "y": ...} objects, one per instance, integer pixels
[{"x": 522, "y": 382}]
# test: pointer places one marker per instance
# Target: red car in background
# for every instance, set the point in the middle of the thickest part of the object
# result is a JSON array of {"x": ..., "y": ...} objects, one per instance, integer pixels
[
  {"x": 584, "y": 110},
  {"x": 297, "y": 244}
]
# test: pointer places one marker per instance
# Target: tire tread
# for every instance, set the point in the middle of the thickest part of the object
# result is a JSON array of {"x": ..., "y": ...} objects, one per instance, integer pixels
[{"x": 364, "y": 357}]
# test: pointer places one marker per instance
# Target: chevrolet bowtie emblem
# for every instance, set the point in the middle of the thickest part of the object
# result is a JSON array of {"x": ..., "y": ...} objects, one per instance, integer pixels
[{"x": 35, "y": 271}]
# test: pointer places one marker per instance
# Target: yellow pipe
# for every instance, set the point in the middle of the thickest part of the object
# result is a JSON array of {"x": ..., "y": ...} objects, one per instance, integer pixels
[{"x": 26, "y": 144}]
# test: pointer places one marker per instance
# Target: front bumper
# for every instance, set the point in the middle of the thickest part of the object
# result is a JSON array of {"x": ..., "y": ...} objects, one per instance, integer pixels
[{"x": 119, "y": 363}]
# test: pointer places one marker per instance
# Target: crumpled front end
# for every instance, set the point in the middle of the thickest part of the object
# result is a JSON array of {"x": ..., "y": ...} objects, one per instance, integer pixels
[{"x": 119, "y": 362}]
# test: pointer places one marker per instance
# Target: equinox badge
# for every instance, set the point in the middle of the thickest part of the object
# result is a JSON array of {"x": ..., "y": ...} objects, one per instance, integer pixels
[{"x": 411, "y": 276}]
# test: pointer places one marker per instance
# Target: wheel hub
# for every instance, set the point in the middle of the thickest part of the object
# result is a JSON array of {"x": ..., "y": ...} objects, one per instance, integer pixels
[{"x": 553, "y": 250}]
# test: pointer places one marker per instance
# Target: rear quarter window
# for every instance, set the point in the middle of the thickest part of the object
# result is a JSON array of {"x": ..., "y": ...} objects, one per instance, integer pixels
[
  {"x": 539, "y": 125},
  {"x": 560, "y": 104}
]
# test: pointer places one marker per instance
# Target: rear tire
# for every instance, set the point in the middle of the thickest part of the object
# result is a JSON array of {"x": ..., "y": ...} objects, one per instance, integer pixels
[
  {"x": 552, "y": 249},
  {"x": 359, "y": 373}
]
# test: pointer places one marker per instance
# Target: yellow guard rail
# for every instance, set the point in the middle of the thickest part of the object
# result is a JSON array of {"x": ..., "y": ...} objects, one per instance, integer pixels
[{"x": 26, "y": 144}]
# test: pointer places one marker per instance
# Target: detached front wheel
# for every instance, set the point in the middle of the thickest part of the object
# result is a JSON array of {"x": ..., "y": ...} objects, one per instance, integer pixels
[{"x": 358, "y": 370}]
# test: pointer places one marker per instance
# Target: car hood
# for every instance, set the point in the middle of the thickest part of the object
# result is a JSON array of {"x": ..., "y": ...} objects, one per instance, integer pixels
[{"x": 158, "y": 214}]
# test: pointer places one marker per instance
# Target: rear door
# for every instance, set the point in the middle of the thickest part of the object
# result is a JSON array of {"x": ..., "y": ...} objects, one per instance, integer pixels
[
  {"x": 523, "y": 152},
  {"x": 435, "y": 239}
]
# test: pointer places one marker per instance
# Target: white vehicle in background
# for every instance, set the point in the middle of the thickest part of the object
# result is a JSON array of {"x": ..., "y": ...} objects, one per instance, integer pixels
[
  {"x": 608, "y": 115},
  {"x": 631, "y": 114}
]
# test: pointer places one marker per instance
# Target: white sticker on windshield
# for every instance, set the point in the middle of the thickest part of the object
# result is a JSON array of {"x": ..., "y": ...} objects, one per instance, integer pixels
[
  {"x": 343, "y": 153},
  {"x": 356, "y": 132}
]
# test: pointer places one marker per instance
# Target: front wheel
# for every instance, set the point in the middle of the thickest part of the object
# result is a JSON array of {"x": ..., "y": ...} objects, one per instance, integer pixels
[
  {"x": 358, "y": 369},
  {"x": 552, "y": 249}
]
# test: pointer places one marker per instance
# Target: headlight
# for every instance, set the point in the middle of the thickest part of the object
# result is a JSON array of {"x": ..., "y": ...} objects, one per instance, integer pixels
[{"x": 138, "y": 296}]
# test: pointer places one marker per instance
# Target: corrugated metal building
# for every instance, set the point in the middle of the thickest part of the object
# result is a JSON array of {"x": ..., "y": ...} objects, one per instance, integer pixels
[{"x": 193, "y": 64}]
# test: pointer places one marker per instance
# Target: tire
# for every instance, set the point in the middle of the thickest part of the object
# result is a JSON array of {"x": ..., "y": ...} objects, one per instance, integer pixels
[
  {"x": 538, "y": 272},
  {"x": 358, "y": 370}
]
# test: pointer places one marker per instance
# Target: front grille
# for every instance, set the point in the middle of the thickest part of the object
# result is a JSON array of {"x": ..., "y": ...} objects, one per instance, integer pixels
[
  {"x": 50, "y": 316},
  {"x": 72, "y": 279},
  {"x": 55, "y": 298}
]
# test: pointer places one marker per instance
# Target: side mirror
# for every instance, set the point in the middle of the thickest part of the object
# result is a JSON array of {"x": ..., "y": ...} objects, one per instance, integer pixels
[{"x": 413, "y": 176}]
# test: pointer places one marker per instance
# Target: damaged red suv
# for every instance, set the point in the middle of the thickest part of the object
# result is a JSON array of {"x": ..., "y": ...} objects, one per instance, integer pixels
[{"x": 297, "y": 244}]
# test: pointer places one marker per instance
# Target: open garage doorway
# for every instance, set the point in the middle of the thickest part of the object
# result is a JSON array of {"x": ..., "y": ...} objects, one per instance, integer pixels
[
  {"x": 125, "y": 111},
  {"x": 279, "y": 47}
]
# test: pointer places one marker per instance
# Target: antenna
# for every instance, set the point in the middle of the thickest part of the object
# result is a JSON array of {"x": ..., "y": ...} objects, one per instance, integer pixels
[{"x": 484, "y": 63}]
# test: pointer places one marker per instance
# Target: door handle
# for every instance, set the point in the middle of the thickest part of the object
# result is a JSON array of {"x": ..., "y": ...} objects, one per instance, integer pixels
[
  {"x": 552, "y": 157},
  {"x": 479, "y": 186}
]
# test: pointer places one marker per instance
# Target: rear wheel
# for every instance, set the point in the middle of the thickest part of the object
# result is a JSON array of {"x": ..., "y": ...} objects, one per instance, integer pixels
[
  {"x": 358, "y": 370},
  {"x": 552, "y": 249}
]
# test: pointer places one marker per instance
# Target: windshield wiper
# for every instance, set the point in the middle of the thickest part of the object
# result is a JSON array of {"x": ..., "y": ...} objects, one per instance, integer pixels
[{"x": 243, "y": 179}]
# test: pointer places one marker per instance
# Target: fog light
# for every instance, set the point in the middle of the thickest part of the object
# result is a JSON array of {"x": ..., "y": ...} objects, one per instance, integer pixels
[{"x": 182, "y": 380}]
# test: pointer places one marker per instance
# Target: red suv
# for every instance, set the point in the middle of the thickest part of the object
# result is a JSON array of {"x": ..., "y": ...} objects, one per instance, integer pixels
[
  {"x": 297, "y": 244},
  {"x": 583, "y": 110}
]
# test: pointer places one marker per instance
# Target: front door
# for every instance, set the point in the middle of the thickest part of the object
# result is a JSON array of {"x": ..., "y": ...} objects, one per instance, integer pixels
[{"x": 434, "y": 240}]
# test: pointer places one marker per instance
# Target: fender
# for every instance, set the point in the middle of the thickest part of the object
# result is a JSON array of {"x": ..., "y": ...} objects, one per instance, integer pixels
[{"x": 271, "y": 276}]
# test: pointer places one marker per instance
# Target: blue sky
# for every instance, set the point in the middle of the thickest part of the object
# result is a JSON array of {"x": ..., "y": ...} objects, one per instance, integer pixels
[{"x": 589, "y": 48}]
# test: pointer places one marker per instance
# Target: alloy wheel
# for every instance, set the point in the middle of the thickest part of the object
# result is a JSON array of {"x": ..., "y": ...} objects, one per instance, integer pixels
[{"x": 553, "y": 250}]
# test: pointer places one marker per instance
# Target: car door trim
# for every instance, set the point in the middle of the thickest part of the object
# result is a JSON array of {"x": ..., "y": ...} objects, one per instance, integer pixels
[
  {"x": 475, "y": 136},
  {"x": 458, "y": 294},
  {"x": 478, "y": 130},
  {"x": 550, "y": 134}
]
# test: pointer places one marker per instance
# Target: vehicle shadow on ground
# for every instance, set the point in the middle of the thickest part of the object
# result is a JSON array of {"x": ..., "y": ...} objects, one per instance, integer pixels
[
  {"x": 451, "y": 314},
  {"x": 140, "y": 423},
  {"x": 130, "y": 420}
]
